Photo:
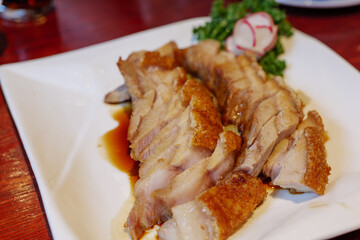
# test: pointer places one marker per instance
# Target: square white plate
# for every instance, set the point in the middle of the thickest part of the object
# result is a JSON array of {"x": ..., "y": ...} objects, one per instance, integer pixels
[{"x": 57, "y": 105}]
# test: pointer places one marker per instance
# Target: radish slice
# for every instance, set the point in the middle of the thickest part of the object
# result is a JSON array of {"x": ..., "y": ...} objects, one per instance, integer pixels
[
  {"x": 231, "y": 47},
  {"x": 244, "y": 34},
  {"x": 256, "y": 32}
]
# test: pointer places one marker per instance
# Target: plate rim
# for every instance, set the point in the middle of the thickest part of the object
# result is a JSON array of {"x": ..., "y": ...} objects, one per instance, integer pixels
[{"x": 319, "y": 4}]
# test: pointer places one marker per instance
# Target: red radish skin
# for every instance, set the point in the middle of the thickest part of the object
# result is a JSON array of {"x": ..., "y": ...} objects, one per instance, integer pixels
[
  {"x": 252, "y": 31},
  {"x": 256, "y": 32},
  {"x": 246, "y": 31},
  {"x": 264, "y": 26},
  {"x": 273, "y": 42}
]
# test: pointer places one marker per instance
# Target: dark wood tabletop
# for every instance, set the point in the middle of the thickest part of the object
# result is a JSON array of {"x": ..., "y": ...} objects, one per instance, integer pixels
[{"x": 76, "y": 24}]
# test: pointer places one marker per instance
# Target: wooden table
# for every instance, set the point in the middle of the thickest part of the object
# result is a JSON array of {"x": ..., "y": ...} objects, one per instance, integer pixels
[{"x": 76, "y": 24}]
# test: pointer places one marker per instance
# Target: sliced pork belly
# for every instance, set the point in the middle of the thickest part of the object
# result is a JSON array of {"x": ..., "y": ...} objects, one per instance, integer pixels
[
  {"x": 218, "y": 212},
  {"x": 154, "y": 79},
  {"x": 137, "y": 67},
  {"x": 199, "y": 177},
  {"x": 236, "y": 83},
  {"x": 299, "y": 162},
  {"x": 179, "y": 145},
  {"x": 247, "y": 94},
  {"x": 264, "y": 110},
  {"x": 174, "y": 124},
  {"x": 150, "y": 125},
  {"x": 197, "y": 127},
  {"x": 274, "y": 119}
]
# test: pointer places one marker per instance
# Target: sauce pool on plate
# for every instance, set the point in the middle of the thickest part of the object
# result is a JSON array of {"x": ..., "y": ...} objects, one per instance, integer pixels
[{"x": 117, "y": 146}]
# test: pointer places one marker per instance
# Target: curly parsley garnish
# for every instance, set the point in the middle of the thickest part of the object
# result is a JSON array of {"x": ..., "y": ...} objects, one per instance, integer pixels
[{"x": 224, "y": 17}]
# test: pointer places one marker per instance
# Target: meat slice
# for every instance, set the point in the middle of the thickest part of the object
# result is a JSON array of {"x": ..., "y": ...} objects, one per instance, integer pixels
[
  {"x": 274, "y": 119},
  {"x": 201, "y": 176},
  {"x": 247, "y": 93},
  {"x": 174, "y": 124},
  {"x": 299, "y": 162},
  {"x": 153, "y": 80},
  {"x": 264, "y": 110},
  {"x": 238, "y": 83},
  {"x": 218, "y": 212},
  {"x": 179, "y": 145},
  {"x": 161, "y": 64}
]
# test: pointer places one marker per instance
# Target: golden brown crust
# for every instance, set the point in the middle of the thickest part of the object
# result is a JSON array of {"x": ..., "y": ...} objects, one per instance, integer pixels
[
  {"x": 155, "y": 59},
  {"x": 317, "y": 169},
  {"x": 190, "y": 88},
  {"x": 166, "y": 57},
  {"x": 232, "y": 141},
  {"x": 232, "y": 201},
  {"x": 206, "y": 121},
  {"x": 165, "y": 60}
]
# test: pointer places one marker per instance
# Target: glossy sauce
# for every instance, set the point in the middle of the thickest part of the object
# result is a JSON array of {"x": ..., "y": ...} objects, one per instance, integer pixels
[
  {"x": 270, "y": 187},
  {"x": 117, "y": 146},
  {"x": 267, "y": 182}
]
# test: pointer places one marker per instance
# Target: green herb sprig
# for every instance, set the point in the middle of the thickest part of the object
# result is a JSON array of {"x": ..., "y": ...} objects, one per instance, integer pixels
[{"x": 224, "y": 17}]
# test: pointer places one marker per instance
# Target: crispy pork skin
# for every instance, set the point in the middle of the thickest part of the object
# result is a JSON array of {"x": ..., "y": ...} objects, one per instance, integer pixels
[
  {"x": 218, "y": 212},
  {"x": 299, "y": 163}
]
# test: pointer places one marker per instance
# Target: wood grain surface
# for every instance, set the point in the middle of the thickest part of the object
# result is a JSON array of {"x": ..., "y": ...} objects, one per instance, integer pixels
[{"x": 76, "y": 24}]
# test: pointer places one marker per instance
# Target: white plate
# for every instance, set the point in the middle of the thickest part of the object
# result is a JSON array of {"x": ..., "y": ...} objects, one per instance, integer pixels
[
  {"x": 57, "y": 105},
  {"x": 319, "y": 3}
]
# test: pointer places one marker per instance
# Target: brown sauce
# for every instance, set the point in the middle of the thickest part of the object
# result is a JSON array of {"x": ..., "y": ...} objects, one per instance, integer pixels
[
  {"x": 270, "y": 187},
  {"x": 267, "y": 182},
  {"x": 117, "y": 146}
]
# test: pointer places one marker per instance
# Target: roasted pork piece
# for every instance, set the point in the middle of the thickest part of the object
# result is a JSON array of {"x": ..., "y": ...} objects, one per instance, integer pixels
[
  {"x": 299, "y": 162},
  {"x": 218, "y": 212},
  {"x": 174, "y": 130},
  {"x": 267, "y": 113},
  {"x": 264, "y": 110},
  {"x": 201, "y": 176},
  {"x": 153, "y": 81}
]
